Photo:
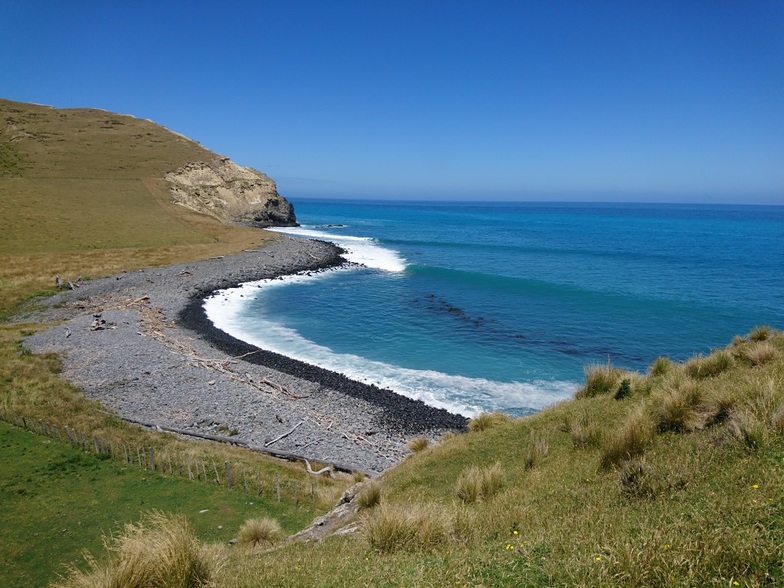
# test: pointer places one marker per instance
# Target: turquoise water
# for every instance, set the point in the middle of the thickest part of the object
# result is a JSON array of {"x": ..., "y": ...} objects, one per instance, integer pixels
[{"x": 485, "y": 306}]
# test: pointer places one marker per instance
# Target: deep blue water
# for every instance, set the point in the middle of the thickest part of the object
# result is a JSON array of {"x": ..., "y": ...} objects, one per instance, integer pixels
[{"x": 484, "y": 306}]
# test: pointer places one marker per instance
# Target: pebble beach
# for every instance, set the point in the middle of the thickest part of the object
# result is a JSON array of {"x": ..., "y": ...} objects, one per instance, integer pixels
[{"x": 157, "y": 359}]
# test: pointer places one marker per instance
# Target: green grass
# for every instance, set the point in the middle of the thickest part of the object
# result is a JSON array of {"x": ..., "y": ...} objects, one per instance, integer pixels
[{"x": 58, "y": 500}]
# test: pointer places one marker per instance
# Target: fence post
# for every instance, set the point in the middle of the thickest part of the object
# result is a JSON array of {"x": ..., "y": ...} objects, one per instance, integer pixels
[
  {"x": 227, "y": 466},
  {"x": 277, "y": 485}
]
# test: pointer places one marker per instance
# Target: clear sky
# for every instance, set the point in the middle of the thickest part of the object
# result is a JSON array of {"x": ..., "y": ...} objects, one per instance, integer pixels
[{"x": 569, "y": 100}]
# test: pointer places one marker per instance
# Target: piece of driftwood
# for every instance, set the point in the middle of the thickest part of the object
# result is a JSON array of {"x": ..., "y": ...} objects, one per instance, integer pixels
[
  {"x": 284, "y": 435},
  {"x": 324, "y": 470},
  {"x": 287, "y": 455}
]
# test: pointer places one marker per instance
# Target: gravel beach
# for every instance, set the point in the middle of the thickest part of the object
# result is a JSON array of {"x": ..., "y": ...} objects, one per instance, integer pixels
[{"x": 159, "y": 360}]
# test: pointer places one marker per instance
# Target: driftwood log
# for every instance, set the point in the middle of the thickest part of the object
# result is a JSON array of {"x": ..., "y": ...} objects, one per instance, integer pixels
[{"x": 287, "y": 455}]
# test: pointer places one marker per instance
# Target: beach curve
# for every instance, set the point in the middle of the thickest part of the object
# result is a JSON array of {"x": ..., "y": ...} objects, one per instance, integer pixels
[{"x": 163, "y": 362}]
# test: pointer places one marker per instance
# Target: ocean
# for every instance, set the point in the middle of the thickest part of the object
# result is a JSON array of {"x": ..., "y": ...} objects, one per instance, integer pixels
[{"x": 500, "y": 306}]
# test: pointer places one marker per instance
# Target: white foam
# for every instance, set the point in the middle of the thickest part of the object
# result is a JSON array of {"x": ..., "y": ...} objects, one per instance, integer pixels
[
  {"x": 362, "y": 250},
  {"x": 458, "y": 394}
]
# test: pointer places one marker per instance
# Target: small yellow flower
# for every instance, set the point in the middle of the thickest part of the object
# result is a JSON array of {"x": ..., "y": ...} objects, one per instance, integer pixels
[
  {"x": 514, "y": 533},
  {"x": 755, "y": 486},
  {"x": 598, "y": 558},
  {"x": 666, "y": 546},
  {"x": 735, "y": 583}
]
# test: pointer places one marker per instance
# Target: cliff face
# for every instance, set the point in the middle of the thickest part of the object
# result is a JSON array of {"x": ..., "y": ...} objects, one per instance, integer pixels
[{"x": 230, "y": 193}]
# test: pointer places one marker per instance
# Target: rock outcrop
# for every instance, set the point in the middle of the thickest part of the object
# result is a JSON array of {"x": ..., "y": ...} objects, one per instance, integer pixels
[{"x": 230, "y": 193}]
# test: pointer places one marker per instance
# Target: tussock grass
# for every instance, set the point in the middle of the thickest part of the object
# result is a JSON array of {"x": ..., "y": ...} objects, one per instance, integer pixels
[
  {"x": 160, "y": 550},
  {"x": 760, "y": 333},
  {"x": 758, "y": 354},
  {"x": 709, "y": 366},
  {"x": 757, "y": 414},
  {"x": 537, "y": 451},
  {"x": 650, "y": 519},
  {"x": 677, "y": 406},
  {"x": 600, "y": 379},
  {"x": 637, "y": 479},
  {"x": 370, "y": 495},
  {"x": 631, "y": 440},
  {"x": 487, "y": 420},
  {"x": 661, "y": 367},
  {"x": 408, "y": 528},
  {"x": 418, "y": 444},
  {"x": 585, "y": 431},
  {"x": 260, "y": 532},
  {"x": 479, "y": 483}
]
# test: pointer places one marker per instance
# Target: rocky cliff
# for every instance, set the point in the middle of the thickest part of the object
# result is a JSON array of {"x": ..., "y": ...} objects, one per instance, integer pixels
[{"x": 230, "y": 193}]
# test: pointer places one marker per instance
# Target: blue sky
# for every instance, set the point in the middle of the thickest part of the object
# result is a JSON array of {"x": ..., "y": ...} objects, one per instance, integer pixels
[{"x": 565, "y": 100}]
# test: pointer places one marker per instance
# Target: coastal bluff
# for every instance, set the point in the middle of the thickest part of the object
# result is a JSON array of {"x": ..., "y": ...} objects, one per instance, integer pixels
[
  {"x": 87, "y": 158},
  {"x": 230, "y": 193}
]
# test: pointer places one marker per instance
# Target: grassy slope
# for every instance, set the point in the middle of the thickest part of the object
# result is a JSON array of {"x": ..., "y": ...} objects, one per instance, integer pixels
[
  {"x": 680, "y": 483},
  {"x": 700, "y": 502}
]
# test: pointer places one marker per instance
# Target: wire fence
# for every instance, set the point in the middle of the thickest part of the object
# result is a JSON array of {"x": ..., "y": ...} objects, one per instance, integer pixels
[{"x": 169, "y": 461}]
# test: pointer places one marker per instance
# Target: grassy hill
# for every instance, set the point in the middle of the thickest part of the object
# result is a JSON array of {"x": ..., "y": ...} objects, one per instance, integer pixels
[
  {"x": 82, "y": 194},
  {"x": 674, "y": 477}
]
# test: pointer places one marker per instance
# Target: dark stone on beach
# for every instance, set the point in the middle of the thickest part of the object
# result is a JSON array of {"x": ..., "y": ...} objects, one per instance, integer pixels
[{"x": 407, "y": 416}]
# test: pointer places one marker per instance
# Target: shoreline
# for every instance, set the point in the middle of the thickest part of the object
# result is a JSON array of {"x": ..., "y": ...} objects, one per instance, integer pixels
[{"x": 163, "y": 361}]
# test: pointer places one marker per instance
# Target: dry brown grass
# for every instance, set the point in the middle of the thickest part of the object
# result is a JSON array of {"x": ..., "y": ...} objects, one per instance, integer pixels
[
  {"x": 487, "y": 420},
  {"x": 678, "y": 406},
  {"x": 260, "y": 532},
  {"x": 476, "y": 484},
  {"x": 370, "y": 495},
  {"x": 408, "y": 528},
  {"x": 631, "y": 440},
  {"x": 600, "y": 379},
  {"x": 584, "y": 430},
  {"x": 418, "y": 444},
  {"x": 160, "y": 551},
  {"x": 709, "y": 366}
]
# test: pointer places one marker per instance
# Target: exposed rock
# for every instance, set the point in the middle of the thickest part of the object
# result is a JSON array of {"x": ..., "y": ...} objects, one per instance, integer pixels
[
  {"x": 339, "y": 521},
  {"x": 230, "y": 193}
]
